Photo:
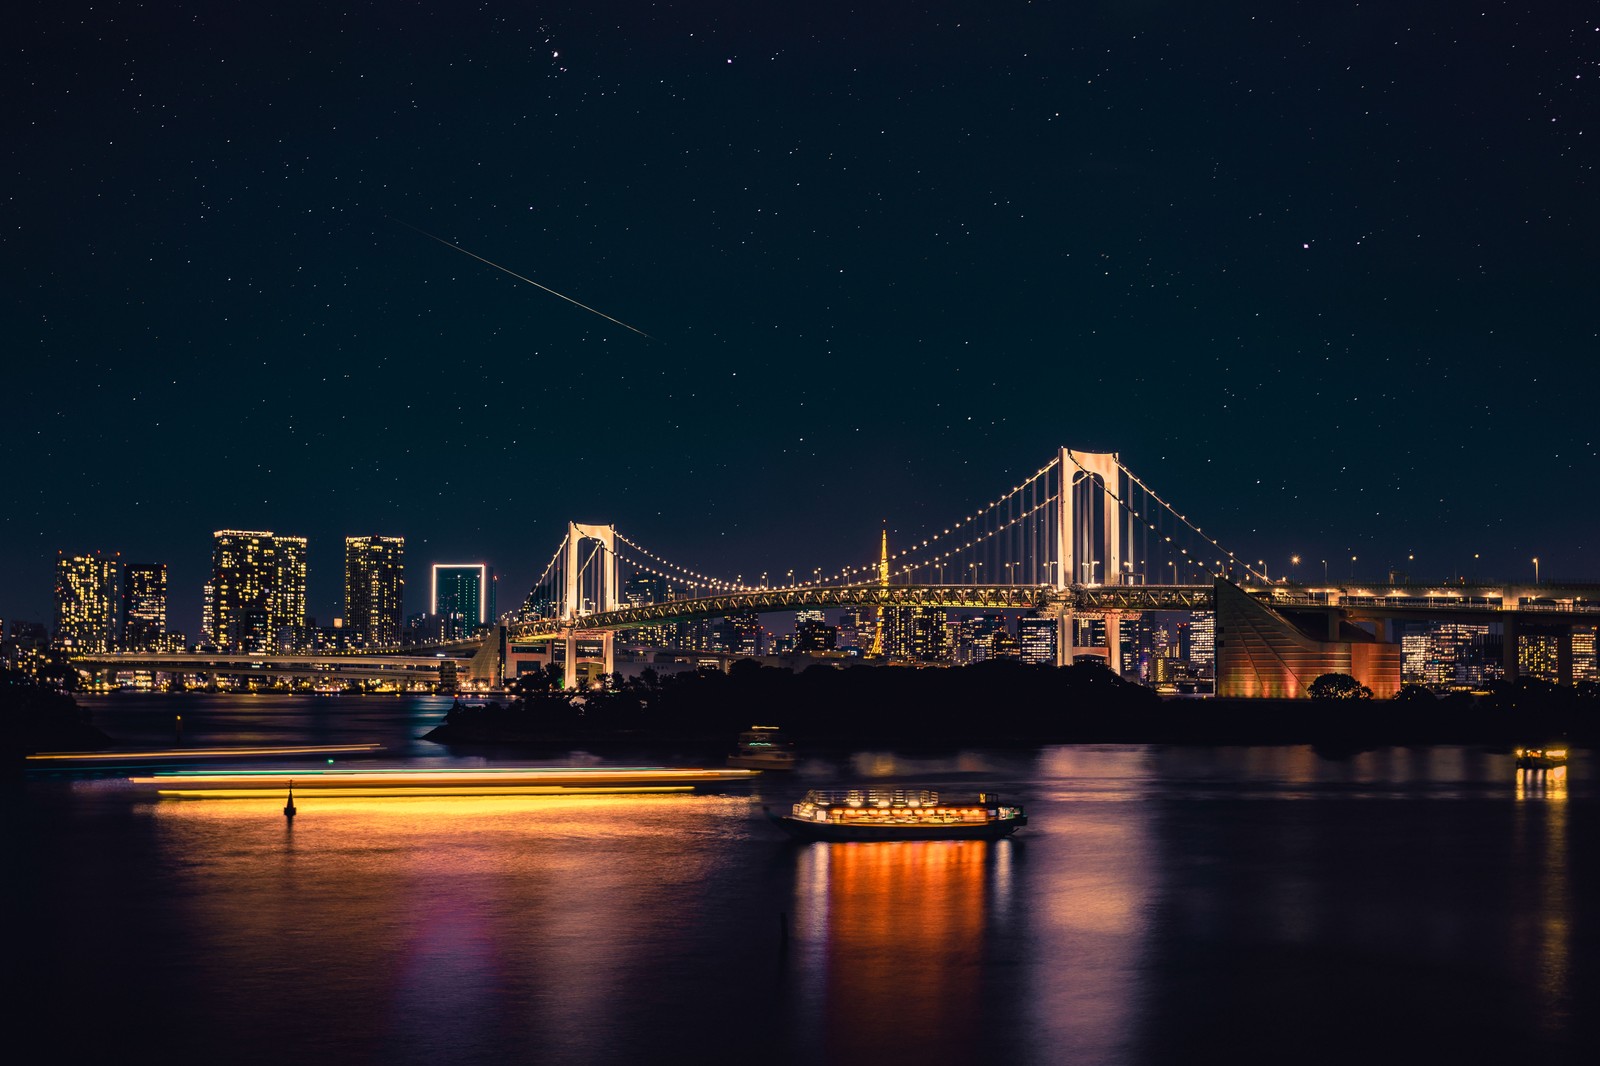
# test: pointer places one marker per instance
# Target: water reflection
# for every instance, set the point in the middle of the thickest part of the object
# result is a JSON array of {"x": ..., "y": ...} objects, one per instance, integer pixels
[
  {"x": 1540, "y": 841},
  {"x": 423, "y": 929},
  {"x": 895, "y": 939},
  {"x": 1420, "y": 904}
]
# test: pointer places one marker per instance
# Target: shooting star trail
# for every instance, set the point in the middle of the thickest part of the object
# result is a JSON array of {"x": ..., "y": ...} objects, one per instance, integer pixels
[{"x": 519, "y": 277}]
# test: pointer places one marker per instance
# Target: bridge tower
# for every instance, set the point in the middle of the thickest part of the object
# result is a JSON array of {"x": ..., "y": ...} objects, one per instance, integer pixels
[
  {"x": 606, "y": 599},
  {"x": 1073, "y": 528}
]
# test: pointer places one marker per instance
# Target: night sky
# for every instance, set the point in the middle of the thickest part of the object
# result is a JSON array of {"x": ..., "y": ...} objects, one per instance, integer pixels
[{"x": 1323, "y": 273}]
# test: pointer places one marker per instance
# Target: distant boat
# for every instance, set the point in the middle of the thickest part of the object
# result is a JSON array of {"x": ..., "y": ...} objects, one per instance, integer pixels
[
  {"x": 288, "y": 808},
  {"x": 1541, "y": 758},
  {"x": 899, "y": 814},
  {"x": 762, "y": 747}
]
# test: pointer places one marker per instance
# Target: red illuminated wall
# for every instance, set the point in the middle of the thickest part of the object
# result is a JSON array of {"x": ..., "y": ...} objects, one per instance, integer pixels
[{"x": 1262, "y": 653}]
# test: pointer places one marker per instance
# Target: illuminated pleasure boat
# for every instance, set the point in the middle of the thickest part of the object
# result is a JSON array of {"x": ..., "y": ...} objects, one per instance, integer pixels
[
  {"x": 899, "y": 814},
  {"x": 762, "y": 748},
  {"x": 1541, "y": 758}
]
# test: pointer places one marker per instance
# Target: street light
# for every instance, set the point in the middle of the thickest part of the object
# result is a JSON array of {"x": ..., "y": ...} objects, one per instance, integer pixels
[
  {"x": 1174, "y": 564},
  {"x": 1325, "y": 580},
  {"x": 1352, "y": 568},
  {"x": 1535, "y": 569}
]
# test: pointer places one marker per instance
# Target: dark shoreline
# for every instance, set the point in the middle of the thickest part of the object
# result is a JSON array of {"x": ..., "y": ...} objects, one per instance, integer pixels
[
  {"x": 1176, "y": 722},
  {"x": 997, "y": 705}
]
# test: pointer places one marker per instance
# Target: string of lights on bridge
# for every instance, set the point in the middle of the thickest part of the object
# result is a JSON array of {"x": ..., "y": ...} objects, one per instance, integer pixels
[{"x": 906, "y": 561}]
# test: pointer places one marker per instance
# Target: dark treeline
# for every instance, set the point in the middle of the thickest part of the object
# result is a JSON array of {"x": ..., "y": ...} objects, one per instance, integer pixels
[{"x": 1002, "y": 703}]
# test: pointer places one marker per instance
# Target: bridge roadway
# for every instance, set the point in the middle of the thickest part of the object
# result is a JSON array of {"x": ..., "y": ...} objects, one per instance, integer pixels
[
  {"x": 1528, "y": 605},
  {"x": 1555, "y": 604},
  {"x": 369, "y": 665}
]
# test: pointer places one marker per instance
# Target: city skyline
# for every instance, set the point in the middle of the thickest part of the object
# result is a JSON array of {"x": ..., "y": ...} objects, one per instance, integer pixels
[{"x": 884, "y": 262}]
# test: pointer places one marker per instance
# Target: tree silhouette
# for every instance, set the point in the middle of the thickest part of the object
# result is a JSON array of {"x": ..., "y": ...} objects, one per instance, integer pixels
[{"x": 1338, "y": 687}]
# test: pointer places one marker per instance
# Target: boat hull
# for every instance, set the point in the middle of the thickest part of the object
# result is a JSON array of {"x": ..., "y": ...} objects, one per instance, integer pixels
[
  {"x": 835, "y": 831},
  {"x": 761, "y": 762}
]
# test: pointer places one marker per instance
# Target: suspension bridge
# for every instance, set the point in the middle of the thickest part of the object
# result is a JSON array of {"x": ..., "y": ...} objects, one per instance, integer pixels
[{"x": 1082, "y": 537}]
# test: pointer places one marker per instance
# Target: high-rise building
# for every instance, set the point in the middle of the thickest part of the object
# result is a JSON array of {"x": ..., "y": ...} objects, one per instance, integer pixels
[
  {"x": 257, "y": 592},
  {"x": 144, "y": 606},
  {"x": 979, "y": 636},
  {"x": 1037, "y": 637},
  {"x": 643, "y": 589},
  {"x": 1419, "y": 661},
  {"x": 928, "y": 635},
  {"x": 747, "y": 632},
  {"x": 899, "y": 632},
  {"x": 1536, "y": 656},
  {"x": 815, "y": 635},
  {"x": 855, "y": 630},
  {"x": 1584, "y": 666},
  {"x": 1203, "y": 643},
  {"x": 374, "y": 588},
  {"x": 289, "y": 615},
  {"x": 88, "y": 602},
  {"x": 463, "y": 597},
  {"x": 1463, "y": 653}
]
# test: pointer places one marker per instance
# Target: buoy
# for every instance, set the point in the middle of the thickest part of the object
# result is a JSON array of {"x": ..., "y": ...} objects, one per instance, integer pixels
[{"x": 288, "y": 808}]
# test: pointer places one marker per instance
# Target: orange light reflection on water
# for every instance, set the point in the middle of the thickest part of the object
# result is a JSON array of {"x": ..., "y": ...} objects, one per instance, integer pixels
[{"x": 900, "y": 927}]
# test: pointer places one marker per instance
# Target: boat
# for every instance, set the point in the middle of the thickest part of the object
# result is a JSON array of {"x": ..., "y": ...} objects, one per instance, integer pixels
[
  {"x": 1541, "y": 758},
  {"x": 762, "y": 747},
  {"x": 899, "y": 814}
]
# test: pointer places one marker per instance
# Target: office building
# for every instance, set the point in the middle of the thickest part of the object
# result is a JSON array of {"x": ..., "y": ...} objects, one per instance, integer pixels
[
  {"x": 746, "y": 633},
  {"x": 88, "y": 602},
  {"x": 815, "y": 635},
  {"x": 978, "y": 636},
  {"x": 144, "y": 606},
  {"x": 1203, "y": 644},
  {"x": 1036, "y": 640},
  {"x": 374, "y": 589}
]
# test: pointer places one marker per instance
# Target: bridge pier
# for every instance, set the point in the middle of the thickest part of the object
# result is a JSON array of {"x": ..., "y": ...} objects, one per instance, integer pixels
[
  {"x": 1510, "y": 661},
  {"x": 608, "y": 657},
  {"x": 1066, "y": 632}
]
